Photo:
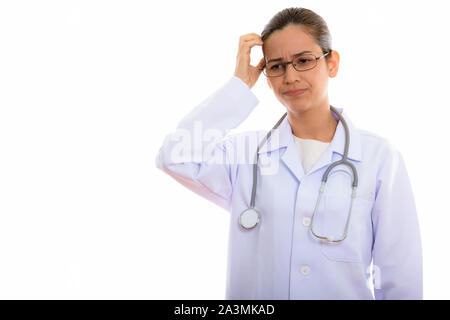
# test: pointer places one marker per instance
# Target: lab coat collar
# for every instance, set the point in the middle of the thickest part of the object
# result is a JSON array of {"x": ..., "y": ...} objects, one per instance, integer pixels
[{"x": 291, "y": 156}]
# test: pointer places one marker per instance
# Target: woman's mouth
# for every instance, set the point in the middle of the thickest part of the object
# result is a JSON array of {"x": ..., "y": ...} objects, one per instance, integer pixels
[{"x": 295, "y": 93}]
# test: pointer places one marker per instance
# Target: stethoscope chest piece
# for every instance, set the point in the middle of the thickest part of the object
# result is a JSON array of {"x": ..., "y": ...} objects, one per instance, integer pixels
[{"x": 249, "y": 218}]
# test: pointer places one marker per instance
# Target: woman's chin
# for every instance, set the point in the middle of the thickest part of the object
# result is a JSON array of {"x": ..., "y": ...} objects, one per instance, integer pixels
[{"x": 297, "y": 107}]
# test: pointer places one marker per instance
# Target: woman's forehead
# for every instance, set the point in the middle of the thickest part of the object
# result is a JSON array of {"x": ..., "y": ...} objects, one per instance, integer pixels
[
  {"x": 287, "y": 42},
  {"x": 288, "y": 51}
]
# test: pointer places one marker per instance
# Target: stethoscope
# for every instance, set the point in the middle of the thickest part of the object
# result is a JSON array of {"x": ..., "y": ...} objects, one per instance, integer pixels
[{"x": 250, "y": 217}]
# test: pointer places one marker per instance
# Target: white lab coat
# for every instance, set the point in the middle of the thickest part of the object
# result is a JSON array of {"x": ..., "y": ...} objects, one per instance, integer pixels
[{"x": 280, "y": 258}]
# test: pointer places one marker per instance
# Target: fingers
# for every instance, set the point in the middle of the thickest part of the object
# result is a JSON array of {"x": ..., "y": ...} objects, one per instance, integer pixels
[
  {"x": 250, "y": 39},
  {"x": 249, "y": 36},
  {"x": 246, "y": 45},
  {"x": 244, "y": 70}
]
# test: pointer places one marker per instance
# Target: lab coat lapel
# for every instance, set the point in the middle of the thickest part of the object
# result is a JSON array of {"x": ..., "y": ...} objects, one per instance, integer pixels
[
  {"x": 292, "y": 158},
  {"x": 337, "y": 144}
]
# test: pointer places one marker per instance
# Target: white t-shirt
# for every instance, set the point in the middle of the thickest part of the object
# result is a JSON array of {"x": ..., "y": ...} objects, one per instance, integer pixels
[{"x": 310, "y": 151}]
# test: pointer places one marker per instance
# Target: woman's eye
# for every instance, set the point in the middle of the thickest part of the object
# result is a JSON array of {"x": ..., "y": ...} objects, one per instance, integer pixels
[{"x": 274, "y": 67}]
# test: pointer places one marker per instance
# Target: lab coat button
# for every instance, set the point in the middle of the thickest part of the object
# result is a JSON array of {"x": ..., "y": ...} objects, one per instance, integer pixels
[
  {"x": 305, "y": 270},
  {"x": 306, "y": 221}
]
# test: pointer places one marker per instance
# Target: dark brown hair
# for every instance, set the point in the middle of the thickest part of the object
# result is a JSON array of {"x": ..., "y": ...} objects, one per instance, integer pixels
[{"x": 310, "y": 21}]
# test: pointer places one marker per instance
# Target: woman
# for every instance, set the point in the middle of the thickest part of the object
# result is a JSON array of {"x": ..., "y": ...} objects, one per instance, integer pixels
[{"x": 289, "y": 245}]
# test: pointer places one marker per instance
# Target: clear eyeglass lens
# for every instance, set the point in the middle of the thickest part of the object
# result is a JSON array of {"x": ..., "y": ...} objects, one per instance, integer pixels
[{"x": 303, "y": 62}]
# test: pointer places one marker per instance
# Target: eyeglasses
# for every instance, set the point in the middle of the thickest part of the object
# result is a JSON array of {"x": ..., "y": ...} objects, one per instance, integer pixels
[{"x": 301, "y": 62}]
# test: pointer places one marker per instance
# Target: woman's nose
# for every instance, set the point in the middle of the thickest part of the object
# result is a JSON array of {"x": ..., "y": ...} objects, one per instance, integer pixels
[{"x": 290, "y": 74}]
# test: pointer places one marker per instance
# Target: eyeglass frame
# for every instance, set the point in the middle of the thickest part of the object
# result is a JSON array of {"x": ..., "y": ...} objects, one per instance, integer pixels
[{"x": 293, "y": 64}]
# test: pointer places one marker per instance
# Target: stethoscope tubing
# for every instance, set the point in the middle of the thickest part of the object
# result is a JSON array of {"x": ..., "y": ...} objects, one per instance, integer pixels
[{"x": 343, "y": 161}]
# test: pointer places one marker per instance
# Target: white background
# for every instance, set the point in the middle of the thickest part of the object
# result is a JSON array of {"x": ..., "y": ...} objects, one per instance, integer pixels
[{"x": 89, "y": 89}]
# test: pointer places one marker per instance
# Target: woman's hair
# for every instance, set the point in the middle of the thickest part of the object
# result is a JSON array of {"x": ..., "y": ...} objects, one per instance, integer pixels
[{"x": 310, "y": 21}]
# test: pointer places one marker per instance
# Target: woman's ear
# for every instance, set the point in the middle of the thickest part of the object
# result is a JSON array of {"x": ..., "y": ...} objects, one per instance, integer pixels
[{"x": 333, "y": 64}]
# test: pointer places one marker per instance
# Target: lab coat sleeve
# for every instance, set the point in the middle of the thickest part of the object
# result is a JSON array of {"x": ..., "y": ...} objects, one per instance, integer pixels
[
  {"x": 397, "y": 250},
  {"x": 197, "y": 154}
]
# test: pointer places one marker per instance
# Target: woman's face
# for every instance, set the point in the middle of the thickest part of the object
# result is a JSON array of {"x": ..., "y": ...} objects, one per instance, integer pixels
[{"x": 285, "y": 43}]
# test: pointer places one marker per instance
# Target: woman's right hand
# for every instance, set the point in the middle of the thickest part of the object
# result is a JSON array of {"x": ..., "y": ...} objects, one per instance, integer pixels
[{"x": 246, "y": 72}]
